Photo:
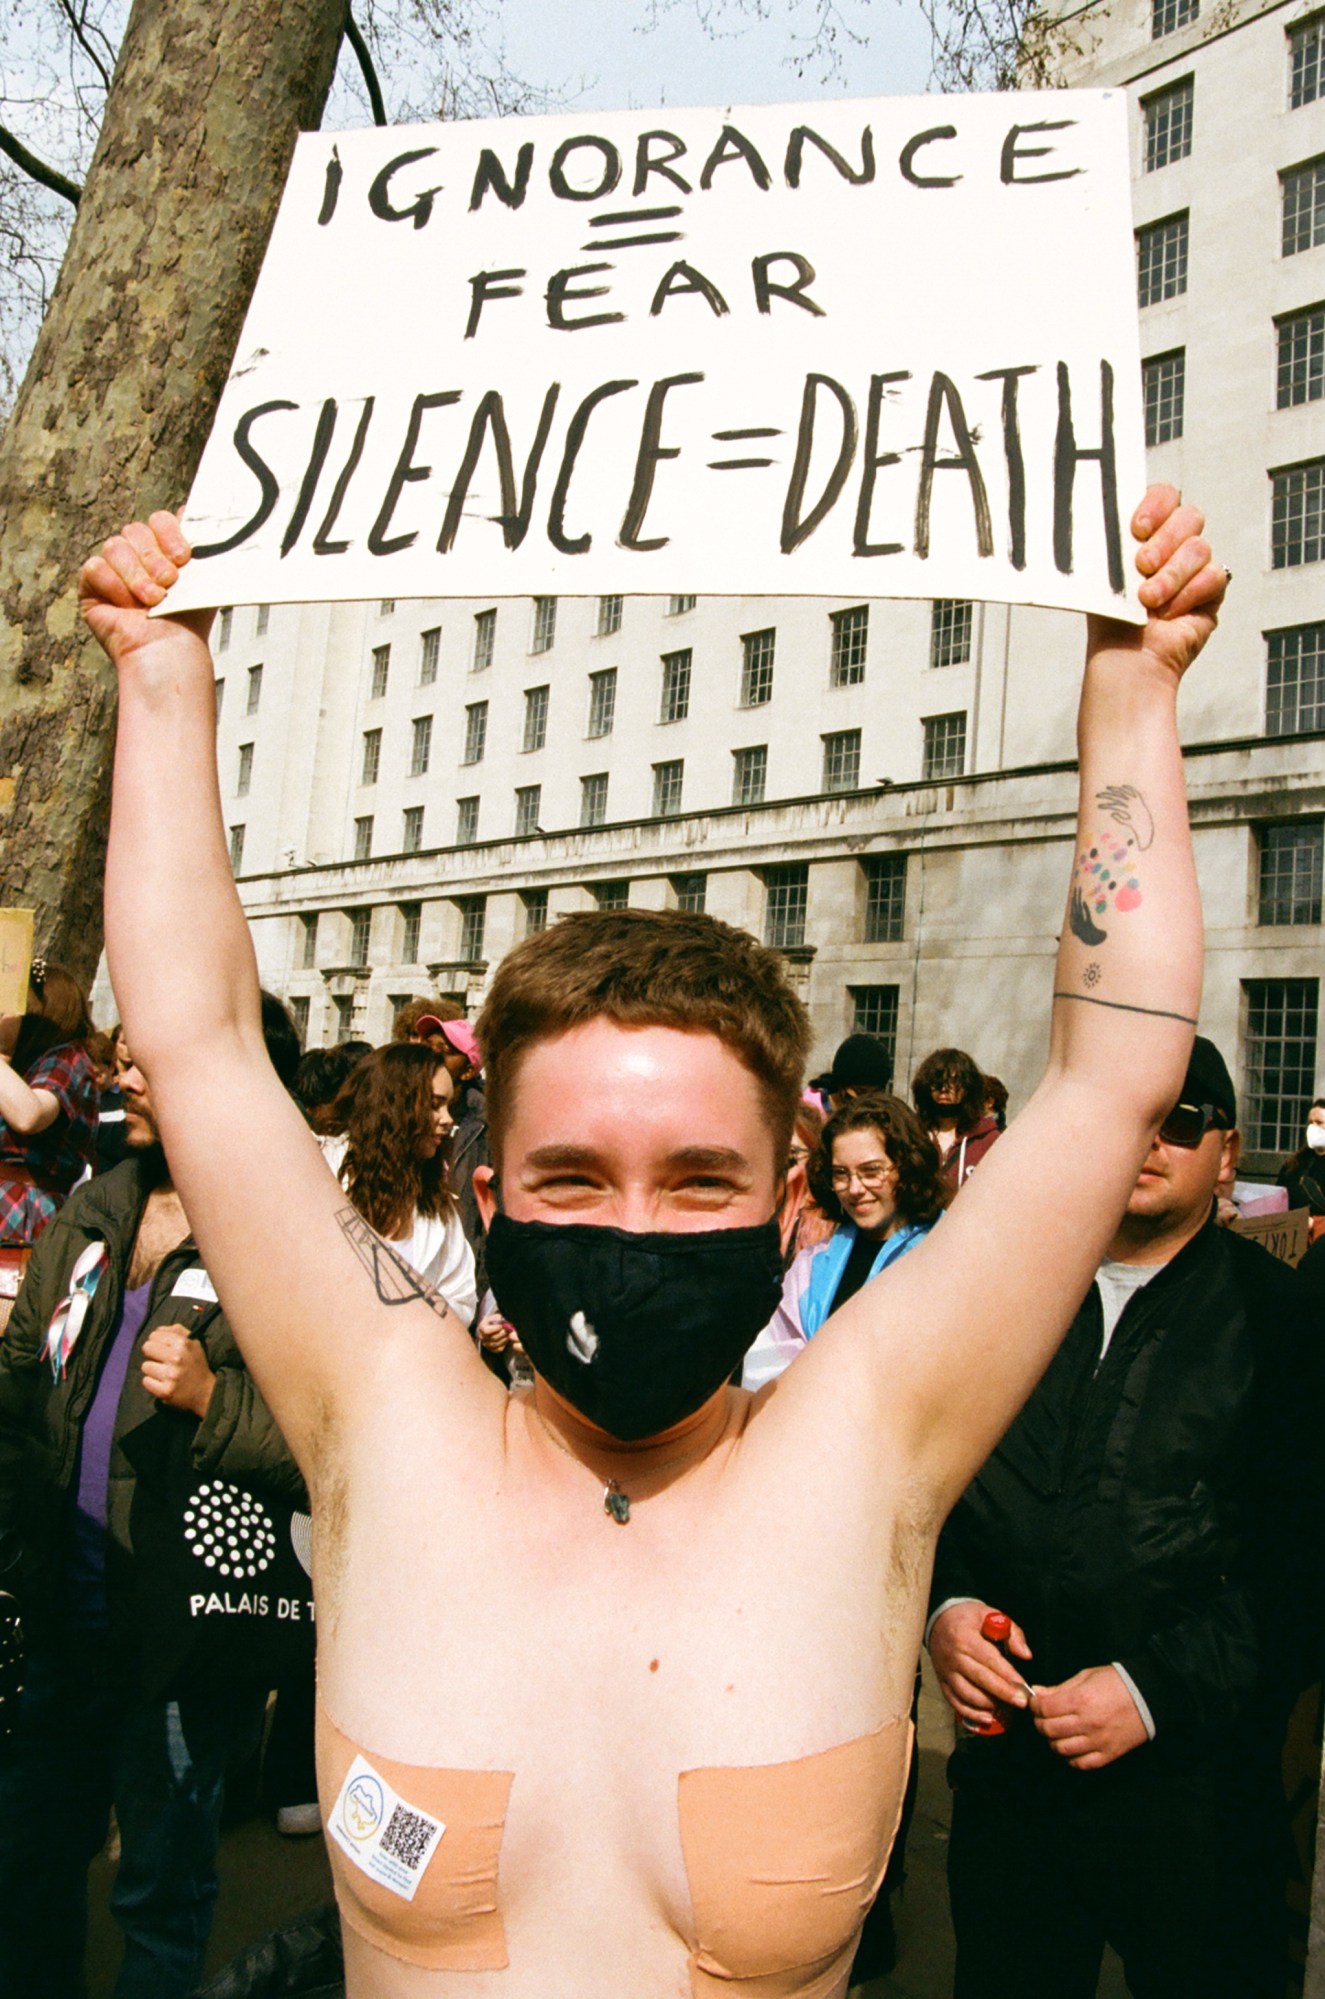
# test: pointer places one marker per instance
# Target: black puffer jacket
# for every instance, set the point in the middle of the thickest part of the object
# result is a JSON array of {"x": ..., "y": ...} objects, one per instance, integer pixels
[
  {"x": 41, "y": 1419},
  {"x": 1162, "y": 1510}
]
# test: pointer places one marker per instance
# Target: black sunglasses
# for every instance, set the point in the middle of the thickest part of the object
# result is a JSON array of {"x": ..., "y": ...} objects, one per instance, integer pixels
[{"x": 1187, "y": 1124}]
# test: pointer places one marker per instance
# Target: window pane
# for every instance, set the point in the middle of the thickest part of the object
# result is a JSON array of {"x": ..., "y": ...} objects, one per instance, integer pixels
[
  {"x": 757, "y": 668},
  {"x": 1166, "y": 15},
  {"x": 236, "y": 848},
  {"x": 1163, "y": 383},
  {"x": 850, "y": 640},
  {"x": 545, "y": 624},
  {"x": 1305, "y": 61},
  {"x": 667, "y": 782},
  {"x": 691, "y": 892},
  {"x": 298, "y": 1005},
  {"x": 224, "y": 627},
  {"x": 1161, "y": 260},
  {"x": 874, "y": 1011},
  {"x": 1281, "y": 1061},
  {"x": 411, "y": 922},
  {"x": 786, "y": 899},
  {"x": 473, "y": 921},
  {"x": 309, "y": 958},
  {"x": 430, "y": 645},
  {"x": 1290, "y": 872},
  {"x": 602, "y": 702},
  {"x": 528, "y": 803},
  {"x": 363, "y": 839},
  {"x": 245, "y": 777},
  {"x": 945, "y": 745},
  {"x": 535, "y": 718},
  {"x": 485, "y": 639},
  {"x": 1295, "y": 680},
  {"x": 261, "y": 621},
  {"x": 476, "y": 732},
  {"x": 535, "y": 911},
  {"x": 344, "y": 1005},
  {"x": 749, "y": 775},
  {"x": 885, "y": 898},
  {"x": 254, "y": 690},
  {"x": 372, "y": 756},
  {"x": 1297, "y": 533},
  {"x": 841, "y": 760},
  {"x": 420, "y": 746},
  {"x": 609, "y": 616},
  {"x": 677, "y": 606},
  {"x": 361, "y": 926},
  {"x": 593, "y": 799},
  {"x": 412, "y": 843},
  {"x": 952, "y": 624},
  {"x": 1168, "y": 119},
  {"x": 612, "y": 895},
  {"x": 675, "y": 687},
  {"x": 1301, "y": 357},
  {"x": 466, "y": 821},
  {"x": 381, "y": 670},
  {"x": 1304, "y": 206}
]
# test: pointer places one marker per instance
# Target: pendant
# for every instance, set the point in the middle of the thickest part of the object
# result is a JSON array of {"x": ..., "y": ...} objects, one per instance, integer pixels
[{"x": 616, "y": 1503}]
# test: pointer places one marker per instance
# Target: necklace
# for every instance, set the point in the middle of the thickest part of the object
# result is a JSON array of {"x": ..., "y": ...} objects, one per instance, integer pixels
[{"x": 616, "y": 1500}]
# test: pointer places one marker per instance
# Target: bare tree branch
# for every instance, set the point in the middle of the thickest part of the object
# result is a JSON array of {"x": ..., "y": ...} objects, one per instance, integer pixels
[
  {"x": 365, "y": 61},
  {"x": 46, "y": 176},
  {"x": 78, "y": 23}
]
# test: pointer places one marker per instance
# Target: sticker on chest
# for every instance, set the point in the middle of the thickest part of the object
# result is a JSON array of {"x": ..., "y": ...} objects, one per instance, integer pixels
[{"x": 390, "y": 1840}]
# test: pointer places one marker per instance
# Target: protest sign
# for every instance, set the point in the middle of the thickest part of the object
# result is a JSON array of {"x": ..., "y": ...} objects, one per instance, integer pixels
[
  {"x": 16, "y": 931},
  {"x": 1285, "y": 1234},
  {"x": 879, "y": 347}
]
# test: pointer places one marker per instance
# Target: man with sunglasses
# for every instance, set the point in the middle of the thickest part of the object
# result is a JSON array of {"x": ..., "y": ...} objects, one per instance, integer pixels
[{"x": 1144, "y": 1525}]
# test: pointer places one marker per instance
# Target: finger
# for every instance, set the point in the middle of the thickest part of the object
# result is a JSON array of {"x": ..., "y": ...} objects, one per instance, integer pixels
[
  {"x": 1167, "y": 536},
  {"x": 993, "y": 1678},
  {"x": 1017, "y": 1643},
  {"x": 165, "y": 526},
  {"x": 1154, "y": 510},
  {"x": 1073, "y": 1746},
  {"x": 124, "y": 558},
  {"x": 103, "y": 584},
  {"x": 1094, "y": 1759},
  {"x": 1055, "y": 1727},
  {"x": 1186, "y": 561},
  {"x": 1204, "y": 595},
  {"x": 154, "y": 558}
]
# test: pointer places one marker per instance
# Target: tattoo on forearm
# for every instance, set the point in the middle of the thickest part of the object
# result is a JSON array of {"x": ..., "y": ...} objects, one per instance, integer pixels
[
  {"x": 1106, "y": 876},
  {"x": 1118, "y": 1006},
  {"x": 393, "y": 1279}
]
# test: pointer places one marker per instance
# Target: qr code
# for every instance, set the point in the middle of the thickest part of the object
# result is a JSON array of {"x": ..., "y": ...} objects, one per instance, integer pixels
[{"x": 408, "y": 1837}]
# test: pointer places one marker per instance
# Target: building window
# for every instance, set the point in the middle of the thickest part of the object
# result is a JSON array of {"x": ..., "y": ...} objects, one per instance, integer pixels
[
  {"x": 786, "y": 900},
  {"x": 412, "y": 835},
  {"x": 749, "y": 775},
  {"x": 381, "y": 670},
  {"x": 476, "y": 732},
  {"x": 874, "y": 1011},
  {"x": 885, "y": 898},
  {"x": 1281, "y": 1061},
  {"x": 485, "y": 639},
  {"x": 612, "y": 895},
  {"x": 1297, "y": 529},
  {"x": 1290, "y": 872},
  {"x": 951, "y": 625},
  {"x": 420, "y": 749},
  {"x": 945, "y": 745},
  {"x": 430, "y": 648},
  {"x": 528, "y": 805},
  {"x": 1301, "y": 357},
  {"x": 593, "y": 799},
  {"x": 1163, "y": 381},
  {"x": 609, "y": 616},
  {"x": 691, "y": 892},
  {"x": 308, "y": 954},
  {"x": 667, "y": 781},
  {"x": 757, "y": 668},
  {"x": 851, "y": 630},
  {"x": 387, "y": 608},
  {"x": 344, "y": 1005},
  {"x": 361, "y": 930},
  {"x": 535, "y": 911},
  {"x": 675, "y": 686},
  {"x": 466, "y": 821},
  {"x": 841, "y": 760},
  {"x": 298, "y": 1006},
  {"x": 220, "y": 698},
  {"x": 678, "y": 606},
  {"x": 1161, "y": 260},
  {"x": 1168, "y": 118},
  {"x": 411, "y": 923},
  {"x": 1304, "y": 206},
  {"x": 602, "y": 702},
  {"x": 545, "y": 624},
  {"x": 244, "y": 781},
  {"x": 1305, "y": 64},
  {"x": 261, "y": 621},
  {"x": 254, "y": 690},
  {"x": 225, "y": 627},
  {"x": 1167, "y": 15},
  {"x": 473, "y": 921},
  {"x": 372, "y": 756},
  {"x": 1295, "y": 680},
  {"x": 535, "y": 718},
  {"x": 363, "y": 839}
]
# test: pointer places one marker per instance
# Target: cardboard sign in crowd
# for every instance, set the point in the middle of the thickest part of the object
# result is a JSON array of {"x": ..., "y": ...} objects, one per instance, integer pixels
[{"x": 870, "y": 348}]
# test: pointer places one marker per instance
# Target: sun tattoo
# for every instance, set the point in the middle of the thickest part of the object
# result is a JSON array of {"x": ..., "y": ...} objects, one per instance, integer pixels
[
  {"x": 1092, "y": 975},
  {"x": 1106, "y": 877}
]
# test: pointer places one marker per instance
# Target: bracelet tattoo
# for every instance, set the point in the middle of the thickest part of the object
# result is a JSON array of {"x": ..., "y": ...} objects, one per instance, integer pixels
[
  {"x": 393, "y": 1279},
  {"x": 1119, "y": 1006},
  {"x": 1106, "y": 874}
]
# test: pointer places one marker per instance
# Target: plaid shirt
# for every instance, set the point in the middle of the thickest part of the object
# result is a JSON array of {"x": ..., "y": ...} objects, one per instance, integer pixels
[{"x": 58, "y": 1155}]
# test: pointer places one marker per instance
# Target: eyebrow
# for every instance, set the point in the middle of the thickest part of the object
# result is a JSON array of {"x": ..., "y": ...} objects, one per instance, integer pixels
[{"x": 696, "y": 1158}]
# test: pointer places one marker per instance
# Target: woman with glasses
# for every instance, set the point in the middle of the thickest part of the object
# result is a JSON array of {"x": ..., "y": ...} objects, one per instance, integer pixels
[{"x": 876, "y": 1174}]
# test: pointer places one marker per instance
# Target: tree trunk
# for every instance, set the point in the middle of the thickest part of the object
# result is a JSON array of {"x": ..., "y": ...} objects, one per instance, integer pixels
[{"x": 208, "y": 98}]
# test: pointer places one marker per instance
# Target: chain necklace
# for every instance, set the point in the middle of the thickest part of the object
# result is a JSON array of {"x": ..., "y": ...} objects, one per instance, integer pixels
[{"x": 616, "y": 1500}]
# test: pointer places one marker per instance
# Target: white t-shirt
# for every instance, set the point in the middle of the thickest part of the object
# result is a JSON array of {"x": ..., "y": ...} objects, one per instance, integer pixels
[
  {"x": 1118, "y": 1283},
  {"x": 436, "y": 1247}
]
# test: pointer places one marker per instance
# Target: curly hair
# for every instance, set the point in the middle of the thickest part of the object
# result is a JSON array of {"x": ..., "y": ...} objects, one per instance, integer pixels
[
  {"x": 387, "y": 1103},
  {"x": 921, "y": 1195},
  {"x": 950, "y": 1068}
]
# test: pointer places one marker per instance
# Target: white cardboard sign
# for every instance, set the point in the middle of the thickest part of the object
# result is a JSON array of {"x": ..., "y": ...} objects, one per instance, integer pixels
[{"x": 879, "y": 347}]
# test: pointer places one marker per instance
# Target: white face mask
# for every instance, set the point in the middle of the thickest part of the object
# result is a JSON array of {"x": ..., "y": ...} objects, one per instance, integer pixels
[{"x": 1316, "y": 1137}]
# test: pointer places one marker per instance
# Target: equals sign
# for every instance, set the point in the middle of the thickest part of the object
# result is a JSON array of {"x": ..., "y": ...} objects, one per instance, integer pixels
[
  {"x": 739, "y": 437},
  {"x": 628, "y": 219}
]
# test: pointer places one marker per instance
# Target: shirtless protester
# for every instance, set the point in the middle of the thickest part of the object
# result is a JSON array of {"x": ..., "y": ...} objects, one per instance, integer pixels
[{"x": 614, "y": 1673}]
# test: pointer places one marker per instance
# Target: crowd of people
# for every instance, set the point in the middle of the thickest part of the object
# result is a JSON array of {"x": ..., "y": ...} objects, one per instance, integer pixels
[{"x": 446, "y": 1341}]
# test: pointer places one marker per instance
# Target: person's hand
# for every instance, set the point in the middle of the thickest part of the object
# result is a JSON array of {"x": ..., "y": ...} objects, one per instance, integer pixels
[
  {"x": 1089, "y": 1720},
  {"x": 1182, "y": 589},
  {"x": 495, "y": 1334},
  {"x": 130, "y": 575},
  {"x": 972, "y": 1671},
  {"x": 175, "y": 1370}
]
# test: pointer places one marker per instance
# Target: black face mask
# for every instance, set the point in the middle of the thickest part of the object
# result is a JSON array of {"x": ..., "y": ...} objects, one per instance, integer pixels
[{"x": 636, "y": 1331}]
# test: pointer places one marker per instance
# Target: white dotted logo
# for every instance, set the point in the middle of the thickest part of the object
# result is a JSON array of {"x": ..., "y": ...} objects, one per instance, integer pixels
[{"x": 229, "y": 1531}]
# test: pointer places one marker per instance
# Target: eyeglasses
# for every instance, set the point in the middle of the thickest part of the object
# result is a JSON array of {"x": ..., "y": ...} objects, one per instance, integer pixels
[
  {"x": 1187, "y": 1124},
  {"x": 875, "y": 1174}
]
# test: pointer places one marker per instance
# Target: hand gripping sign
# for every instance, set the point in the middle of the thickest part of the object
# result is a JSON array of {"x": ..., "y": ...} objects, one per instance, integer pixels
[{"x": 884, "y": 347}]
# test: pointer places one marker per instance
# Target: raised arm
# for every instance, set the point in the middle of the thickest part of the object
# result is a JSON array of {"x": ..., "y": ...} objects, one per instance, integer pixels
[
  {"x": 965, "y": 1325},
  {"x": 319, "y": 1310}
]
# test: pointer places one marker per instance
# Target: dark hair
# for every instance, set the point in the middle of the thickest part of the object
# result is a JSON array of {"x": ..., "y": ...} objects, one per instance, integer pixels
[
  {"x": 320, "y": 1075},
  {"x": 387, "y": 1104},
  {"x": 1304, "y": 1154},
  {"x": 57, "y": 1015},
  {"x": 950, "y": 1068},
  {"x": 648, "y": 968},
  {"x": 282, "y": 1038},
  {"x": 921, "y": 1194},
  {"x": 996, "y": 1098},
  {"x": 808, "y": 1126}
]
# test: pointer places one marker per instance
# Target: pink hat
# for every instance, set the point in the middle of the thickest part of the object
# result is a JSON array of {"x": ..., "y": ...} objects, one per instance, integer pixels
[{"x": 458, "y": 1032}]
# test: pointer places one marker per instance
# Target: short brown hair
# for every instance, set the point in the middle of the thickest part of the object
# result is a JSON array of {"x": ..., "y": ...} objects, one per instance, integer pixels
[
  {"x": 921, "y": 1195},
  {"x": 648, "y": 968}
]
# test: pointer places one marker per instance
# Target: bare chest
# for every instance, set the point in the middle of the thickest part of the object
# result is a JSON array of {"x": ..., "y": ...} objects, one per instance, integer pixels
[{"x": 162, "y": 1228}]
